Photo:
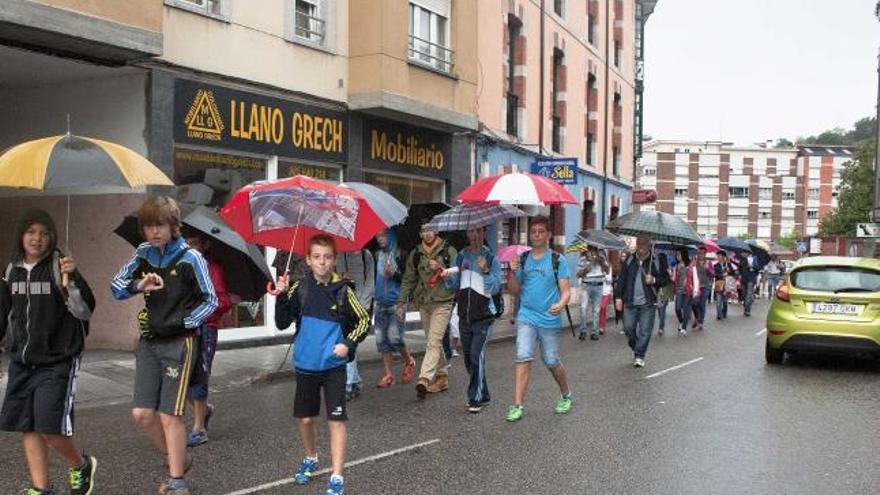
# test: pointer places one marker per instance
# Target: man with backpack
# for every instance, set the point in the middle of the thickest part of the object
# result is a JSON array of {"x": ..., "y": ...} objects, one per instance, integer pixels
[
  {"x": 541, "y": 280},
  {"x": 423, "y": 284},
  {"x": 476, "y": 278}
]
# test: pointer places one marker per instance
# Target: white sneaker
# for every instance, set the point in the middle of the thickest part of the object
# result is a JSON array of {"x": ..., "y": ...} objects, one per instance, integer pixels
[
  {"x": 682, "y": 332},
  {"x": 639, "y": 362}
]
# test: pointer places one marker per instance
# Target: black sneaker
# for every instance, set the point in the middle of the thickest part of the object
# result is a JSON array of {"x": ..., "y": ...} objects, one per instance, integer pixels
[
  {"x": 594, "y": 336},
  {"x": 582, "y": 336},
  {"x": 82, "y": 480}
]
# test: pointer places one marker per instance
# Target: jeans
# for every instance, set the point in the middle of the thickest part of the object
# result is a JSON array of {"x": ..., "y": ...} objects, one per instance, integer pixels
[
  {"x": 683, "y": 306},
  {"x": 527, "y": 334},
  {"x": 721, "y": 304},
  {"x": 352, "y": 375},
  {"x": 474, "y": 337},
  {"x": 661, "y": 313},
  {"x": 198, "y": 383},
  {"x": 772, "y": 284},
  {"x": 638, "y": 324},
  {"x": 591, "y": 304},
  {"x": 389, "y": 329},
  {"x": 748, "y": 297},
  {"x": 699, "y": 305}
]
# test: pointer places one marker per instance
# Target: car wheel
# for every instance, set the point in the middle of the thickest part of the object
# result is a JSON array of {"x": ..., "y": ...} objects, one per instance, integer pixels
[{"x": 773, "y": 356}]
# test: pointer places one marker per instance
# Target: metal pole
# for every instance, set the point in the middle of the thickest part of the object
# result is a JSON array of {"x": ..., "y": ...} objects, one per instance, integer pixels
[
  {"x": 608, "y": 30},
  {"x": 541, "y": 87}
]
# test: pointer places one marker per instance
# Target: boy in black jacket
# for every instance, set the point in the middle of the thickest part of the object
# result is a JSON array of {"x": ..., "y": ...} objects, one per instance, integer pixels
[
  {"x": 179, "y": 297},
  {"x": 47, "y": 325},
  {"x": 330, "y": 324}
]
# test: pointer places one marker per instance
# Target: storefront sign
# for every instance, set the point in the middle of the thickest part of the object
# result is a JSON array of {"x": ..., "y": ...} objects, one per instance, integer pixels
[
  {"x": 643, "y": 196},
  {"x": 561, "y": 170},
  {"x": 412, "y": 150},
  {"x": 220, "y": 117}
]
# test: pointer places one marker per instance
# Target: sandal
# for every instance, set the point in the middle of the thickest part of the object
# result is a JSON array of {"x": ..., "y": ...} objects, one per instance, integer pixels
[
  {"x": 409, "y": 370},
  {"x": 385, "y": 382}
]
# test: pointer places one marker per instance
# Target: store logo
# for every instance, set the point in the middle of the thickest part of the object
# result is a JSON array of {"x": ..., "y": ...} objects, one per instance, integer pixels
[{"x": 203, "y": 118}]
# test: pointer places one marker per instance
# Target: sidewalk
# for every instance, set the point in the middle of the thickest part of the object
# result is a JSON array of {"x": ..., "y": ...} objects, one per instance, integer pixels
[{"x": 107, "y": 377}]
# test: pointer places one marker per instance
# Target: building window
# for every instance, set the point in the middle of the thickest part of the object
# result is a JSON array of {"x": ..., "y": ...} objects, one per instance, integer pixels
[
  {"x": 787, "y": 195},
  {"x": 649, "y": 171},
  {"x": 308, "y": 21},
  {"x": 212, "y": 8},
  {"x": 429, "y": 35},
  {"x": 617, "y": 53},
  {"x": 558, "y": 58},
  {"x": 681, "y": 192},
  {"x": 765, "y": 193},
  {"x": 514, "y": 27},
  {"x": 591, "y": 149},
  {"x": 588, "y": 216},
  {"x": 764, "y": 214},
  {"x": 812, "y": 214},
  {"x": 739, "y": 192},
  {"x": 615, "y": 154},
  {"x": 591, "y": 29},
  {"x": 813, "y": 193},
  {"x": 559, "y": 7}
]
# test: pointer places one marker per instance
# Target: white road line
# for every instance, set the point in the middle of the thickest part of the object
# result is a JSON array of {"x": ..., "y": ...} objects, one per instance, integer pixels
[
  {"x": 365, "y": 460},
  {"x": 682, "y": 365},
  {"x": 762, "y": 332}
]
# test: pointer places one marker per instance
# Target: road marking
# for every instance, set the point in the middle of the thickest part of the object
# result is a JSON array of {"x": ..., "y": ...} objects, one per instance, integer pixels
[
  {"x": 377, "y": 457},
  {"x": 762, "y": 332},
  {"x": 682, "y": 365}
]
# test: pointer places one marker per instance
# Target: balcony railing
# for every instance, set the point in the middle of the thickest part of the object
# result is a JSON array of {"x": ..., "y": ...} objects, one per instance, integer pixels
[
  {"x": 429, "y": 53},
  {"x": 512, "y": 111},
  {"x": 309, "y": 27}
]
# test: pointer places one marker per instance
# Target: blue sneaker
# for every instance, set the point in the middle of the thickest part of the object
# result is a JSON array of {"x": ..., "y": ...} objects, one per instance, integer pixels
[
  {"x": 335, "y": 486},
  {"x": 306, "y": 471},
  {"x": 196, "y": 438}
]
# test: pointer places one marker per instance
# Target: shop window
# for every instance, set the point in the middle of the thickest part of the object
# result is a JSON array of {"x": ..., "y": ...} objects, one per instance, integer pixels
[
  {"x": 212, "y": 8},
  {"x": 328, "y": 174},
  {"x": 429, "y": 35},
  {"x": 407, "y": 190},
  {"x": 210, "y": 179}
]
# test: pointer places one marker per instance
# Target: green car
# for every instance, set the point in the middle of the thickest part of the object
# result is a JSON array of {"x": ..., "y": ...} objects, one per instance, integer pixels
[{"x": 826, "y": 304}]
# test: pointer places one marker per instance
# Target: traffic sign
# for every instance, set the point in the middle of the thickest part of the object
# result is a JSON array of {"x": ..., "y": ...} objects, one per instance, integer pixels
[
  {"x": 868, "y": 230},
  {"x": 801, "y": 246}
]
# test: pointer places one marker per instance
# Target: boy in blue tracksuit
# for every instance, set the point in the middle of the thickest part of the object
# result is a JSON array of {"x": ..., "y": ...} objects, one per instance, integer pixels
[
  {"x": 330, "y": 324},
  {"x": 179, "y": 296}
]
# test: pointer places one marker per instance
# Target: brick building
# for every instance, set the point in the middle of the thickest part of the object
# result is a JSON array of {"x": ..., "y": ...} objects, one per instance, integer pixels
[{"x": 727, "y": 190}]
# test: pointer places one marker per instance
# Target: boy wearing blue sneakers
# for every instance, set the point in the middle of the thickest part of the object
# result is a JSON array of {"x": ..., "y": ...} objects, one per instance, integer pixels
[{"x": 330, "y": 324}]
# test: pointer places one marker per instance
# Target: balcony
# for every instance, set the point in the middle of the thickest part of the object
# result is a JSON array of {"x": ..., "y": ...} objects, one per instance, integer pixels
[{"x": 430, "y": 54}]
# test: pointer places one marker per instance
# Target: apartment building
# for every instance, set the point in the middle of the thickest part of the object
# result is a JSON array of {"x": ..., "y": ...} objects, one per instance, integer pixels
[{"x": 726, "y": 190}]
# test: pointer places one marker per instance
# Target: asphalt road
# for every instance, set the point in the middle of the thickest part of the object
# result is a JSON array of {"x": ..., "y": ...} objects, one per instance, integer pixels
[{"x": 723, "y": 423}]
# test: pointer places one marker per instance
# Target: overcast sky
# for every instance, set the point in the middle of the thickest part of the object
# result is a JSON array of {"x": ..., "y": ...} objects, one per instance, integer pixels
[{"x": 750, "y": 70}]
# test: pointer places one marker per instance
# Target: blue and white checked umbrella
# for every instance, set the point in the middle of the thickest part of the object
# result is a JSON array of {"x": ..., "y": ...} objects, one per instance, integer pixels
[
  {"x": 472, "y": 216},
  {"x": 655, "y": 225}
]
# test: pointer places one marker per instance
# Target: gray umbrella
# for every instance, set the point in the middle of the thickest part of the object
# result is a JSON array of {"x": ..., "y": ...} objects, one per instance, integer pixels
[
  {"x": 467, "y": 216},
  {"x": 246, "y": 270},
  {"x": 601, "y": 239},
  {"x": 387, "y": 207},
  {"x": 733, "y": 244},
  {"x": 656, "y": 225}
]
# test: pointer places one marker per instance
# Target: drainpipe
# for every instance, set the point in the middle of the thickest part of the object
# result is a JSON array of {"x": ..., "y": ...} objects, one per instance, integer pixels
[
  {"x": 609, "y": 31},
  {"x": 541, "y": 88}
]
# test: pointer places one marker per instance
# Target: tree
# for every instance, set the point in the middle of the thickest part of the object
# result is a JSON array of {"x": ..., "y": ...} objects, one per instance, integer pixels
[
  {"x": 862, "y": 130},
  {"x": 783, "y": 143},
  {"x": 856, "y": 199},
  {"x": 789, "y": 240}
]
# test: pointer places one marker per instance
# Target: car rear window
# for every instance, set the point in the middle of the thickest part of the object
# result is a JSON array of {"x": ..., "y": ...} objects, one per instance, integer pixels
[{"x": 836, "y": 279}]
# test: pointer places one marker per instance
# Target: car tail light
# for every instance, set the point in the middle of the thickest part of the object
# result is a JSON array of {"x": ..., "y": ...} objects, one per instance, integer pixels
[{"x": 782, "y": 292}]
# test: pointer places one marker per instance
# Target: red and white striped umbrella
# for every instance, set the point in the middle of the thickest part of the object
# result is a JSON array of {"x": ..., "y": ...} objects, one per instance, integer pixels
[{"x": 517, "y": 189}]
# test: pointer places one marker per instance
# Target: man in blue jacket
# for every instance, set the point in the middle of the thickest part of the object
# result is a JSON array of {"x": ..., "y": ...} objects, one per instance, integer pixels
[{"x": 330, "y": 324}]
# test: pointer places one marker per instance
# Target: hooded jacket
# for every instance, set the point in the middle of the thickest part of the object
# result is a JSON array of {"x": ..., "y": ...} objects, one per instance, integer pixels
[
  {"x": 474, "y": 289},
  {"x": 43, "y": 324},
  {"x": 188, "y": 298},
  {"x": 326, "y": 315},
  {"x": 388, "y": 288}
]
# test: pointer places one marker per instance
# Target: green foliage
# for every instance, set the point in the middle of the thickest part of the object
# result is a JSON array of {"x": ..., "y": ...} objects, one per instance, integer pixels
[
  {"x": 862, "y": 130},
  {"x": 745, "y": 236},
  {"x": 856, "y": 199},
  {"x": 783, "y": 143},
  {"x": 789, "y": 240}
]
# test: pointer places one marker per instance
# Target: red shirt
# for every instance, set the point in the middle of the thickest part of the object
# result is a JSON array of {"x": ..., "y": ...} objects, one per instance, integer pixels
[{"x": 224, "y": 303}]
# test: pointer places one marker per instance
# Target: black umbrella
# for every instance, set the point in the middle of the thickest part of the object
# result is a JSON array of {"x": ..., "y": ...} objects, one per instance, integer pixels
[
  {"x": 246, "y": 271},
  {"x": 733, "y": 244},
  {"x": 601, "y": 239}
]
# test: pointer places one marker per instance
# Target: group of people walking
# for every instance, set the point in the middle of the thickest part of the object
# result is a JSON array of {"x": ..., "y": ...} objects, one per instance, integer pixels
[{"x": 334, "y": 299}]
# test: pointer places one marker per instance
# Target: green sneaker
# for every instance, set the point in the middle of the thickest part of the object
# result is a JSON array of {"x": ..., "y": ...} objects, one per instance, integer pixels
[
  {"x": 563, "y": 406},
  {"x": 515, "y": 413}
]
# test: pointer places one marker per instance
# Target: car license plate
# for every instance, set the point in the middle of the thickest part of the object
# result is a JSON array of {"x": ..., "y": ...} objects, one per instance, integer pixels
[{"x": 835, "y": 309}]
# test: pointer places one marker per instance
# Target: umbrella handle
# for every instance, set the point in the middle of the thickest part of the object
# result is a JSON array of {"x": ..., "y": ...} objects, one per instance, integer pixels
[{"x": 270, "y": 289}]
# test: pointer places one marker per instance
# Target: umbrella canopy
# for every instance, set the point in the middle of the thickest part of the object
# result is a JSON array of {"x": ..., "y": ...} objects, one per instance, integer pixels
[
  {"x": 472, "y": 216},
  {"x": 389, "y": 209},
  {"x": 517, "y": 189},
  {"x": 69, "y": 164},
  {"x": 245, "y": 265},
  {"x": 508, "y": 253},
  {"x": 761, "y": 251},
  {"x": 656, "y": 225},
  {"x": 733, "y": 244},
  {"x": 286, "y": 213},
  {"x": 408, "y": 233},
  {"x": 711, "y": 246},
  {"x": 601, "y": 239}
]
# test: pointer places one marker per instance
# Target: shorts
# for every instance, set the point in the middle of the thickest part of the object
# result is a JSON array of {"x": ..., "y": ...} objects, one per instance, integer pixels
[
  {"x": 389, "y": 330},
  {"x": 201, "y": 377},
  {"x": 527, "y": 334},
  {"x": 307, "y": 402},
  {"x": 162, "y": 372},
  {"x": 39, "y": 398}
]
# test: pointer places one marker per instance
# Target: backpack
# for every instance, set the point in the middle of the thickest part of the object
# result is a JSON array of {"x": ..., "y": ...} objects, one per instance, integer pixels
[{"x": 497, "y": 299}]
